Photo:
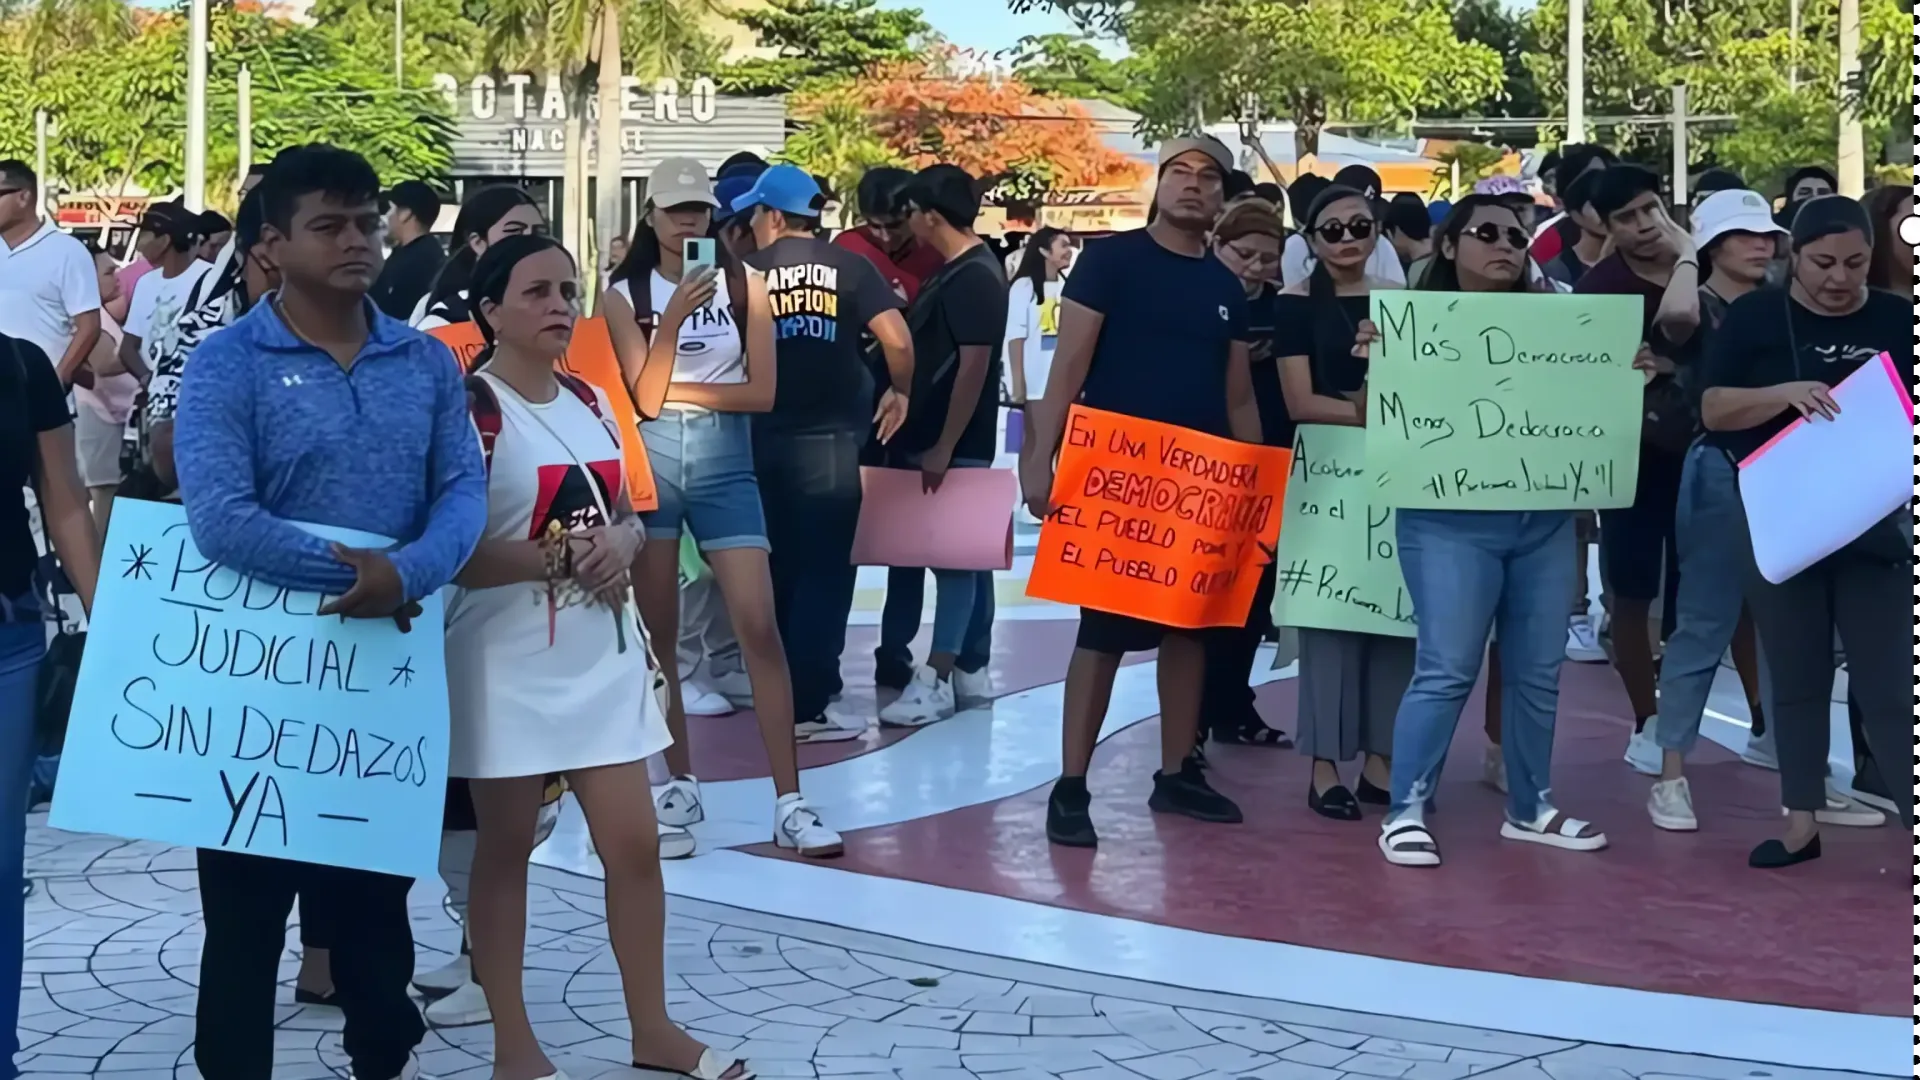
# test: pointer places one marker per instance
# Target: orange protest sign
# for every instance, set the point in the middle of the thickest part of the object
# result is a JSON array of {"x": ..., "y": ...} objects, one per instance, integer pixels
[
  {"x": 589, "y": 357},
  {"x": 1158, "y": 522}
]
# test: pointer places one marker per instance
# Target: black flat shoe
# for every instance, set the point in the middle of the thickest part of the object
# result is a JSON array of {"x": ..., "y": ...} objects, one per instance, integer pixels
[
  {"x": 1773, "y": 855},
  {"x": 1188, "y": 794},
  {"x": 1068, "y": 822},
  {"x": 1336, "y": 802},
  {"x": 1372, "y": 796},
  {"x": 303, "y": 996}
]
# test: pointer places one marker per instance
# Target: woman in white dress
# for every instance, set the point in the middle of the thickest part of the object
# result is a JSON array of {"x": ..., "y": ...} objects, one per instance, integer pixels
[{"x": 547, "y": 665}]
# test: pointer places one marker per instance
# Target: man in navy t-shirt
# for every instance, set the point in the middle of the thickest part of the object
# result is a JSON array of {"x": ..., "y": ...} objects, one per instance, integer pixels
[{"x": 1151, "y": 326}]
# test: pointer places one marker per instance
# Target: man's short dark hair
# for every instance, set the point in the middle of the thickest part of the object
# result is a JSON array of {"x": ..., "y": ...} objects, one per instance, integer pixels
[
  {"x": 1718, "y": 179},
  {"x": 247, "y": 220},
  {"x": 879, "y": 194},
  {"x": 1576, "y": 158},
  {"x": 1409, "y": 219},
  {"x": 1238, "y": 182},
  {"x": 340, "y": 175},
  {"x": 1271, "y": 192},
  {"x": 18, "y": 174},
  {"x": 1579, "y": 193},
  {"x": 947, "y": 190},
  {"x": 416, "y": 198},
  {"x": 213, "y": 222},
  {"x": 1620, "y": 185}
]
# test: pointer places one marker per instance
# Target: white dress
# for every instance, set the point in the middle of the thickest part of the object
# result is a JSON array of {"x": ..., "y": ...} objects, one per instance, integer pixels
[{"x": 527, "y": 697}]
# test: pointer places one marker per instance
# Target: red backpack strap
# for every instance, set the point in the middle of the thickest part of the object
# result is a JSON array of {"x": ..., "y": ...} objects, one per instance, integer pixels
[
  {"x": 485, "y": 408},
  {"x": 581, "y": 389}
]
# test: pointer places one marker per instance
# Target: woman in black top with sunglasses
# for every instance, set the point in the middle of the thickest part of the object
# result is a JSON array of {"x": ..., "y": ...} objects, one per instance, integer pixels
[{"x": 1350, "y": 683}]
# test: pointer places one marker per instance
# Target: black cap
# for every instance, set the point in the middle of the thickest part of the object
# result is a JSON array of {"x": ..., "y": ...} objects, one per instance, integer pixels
[{"x": 1361, "y": 179}]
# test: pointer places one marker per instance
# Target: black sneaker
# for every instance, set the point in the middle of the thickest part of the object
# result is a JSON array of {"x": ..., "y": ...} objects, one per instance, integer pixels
[
  {"x": 890, "y": 673},
  {"x": 1188, "y": 794},
  {"x": 1068, "y": 822}
]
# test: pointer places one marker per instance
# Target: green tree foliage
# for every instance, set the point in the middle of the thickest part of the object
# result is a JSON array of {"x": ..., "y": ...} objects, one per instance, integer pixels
[
  {"x": 437, "y": 35},
  {"x": 1510, "y": 34},
  {"x": 114, "y": 85},
  {"x": 1070, "y": 66},
  {"x": 814, "y": 41},
  {"x": 1735, "y": 57},
  {"x": 1309, "y": 61}
]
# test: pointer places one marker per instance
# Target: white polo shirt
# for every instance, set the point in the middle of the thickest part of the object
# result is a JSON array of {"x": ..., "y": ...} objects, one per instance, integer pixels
[{"x": 44, "y": 283}]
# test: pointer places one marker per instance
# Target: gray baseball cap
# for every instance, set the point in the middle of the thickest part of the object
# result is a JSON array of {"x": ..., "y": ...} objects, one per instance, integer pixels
[
  {"x": 680, "y": 181},
  {"x": 1196, "y": 144}
]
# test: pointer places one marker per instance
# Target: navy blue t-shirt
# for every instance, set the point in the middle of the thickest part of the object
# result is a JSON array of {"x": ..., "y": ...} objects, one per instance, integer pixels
[{"x": 1170, "y": 320}]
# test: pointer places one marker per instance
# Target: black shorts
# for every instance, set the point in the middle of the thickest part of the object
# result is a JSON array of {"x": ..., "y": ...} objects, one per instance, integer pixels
[
  {"x": 1638, "y": 541},
  {"x": 1118, "y": 635}
]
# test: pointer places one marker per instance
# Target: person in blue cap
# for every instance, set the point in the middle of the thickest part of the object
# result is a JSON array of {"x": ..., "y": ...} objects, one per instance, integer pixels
[{"x": 807, "y": 448}]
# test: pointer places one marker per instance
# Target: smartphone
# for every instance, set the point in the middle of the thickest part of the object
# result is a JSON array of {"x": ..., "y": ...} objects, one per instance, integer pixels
[{"x": 697, "y": 253}]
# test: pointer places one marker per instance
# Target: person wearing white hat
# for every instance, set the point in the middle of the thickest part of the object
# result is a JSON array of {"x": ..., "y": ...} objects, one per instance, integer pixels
[{"x": 1736, "y": 240}]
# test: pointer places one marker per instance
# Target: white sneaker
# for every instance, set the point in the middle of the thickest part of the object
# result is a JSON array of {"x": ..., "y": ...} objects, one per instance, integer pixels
[
  {"x": 732, "y": 685},
  {"x": 445, "y": 980},
  {"x": 1583, "y": 644},
  {"x": 698, "y": 699},
  {"x": 1843, "y": 810},
  {"x": 972, "y": 686},
  {"x": 927, "y": 699},
  {"x": 1760, "y": 752},
  {"x": 796, "y": 826},
  {"x": 1493, "y": 770},
  {"x": 464, "y": 1007},
  {"x": 676, "y": 843},
  {"x": 1643, "y": 754},
  {"x": 678, "y": 802},
  {"x": 1670, "y": 804},
  {"x": 829, "y": 727}
]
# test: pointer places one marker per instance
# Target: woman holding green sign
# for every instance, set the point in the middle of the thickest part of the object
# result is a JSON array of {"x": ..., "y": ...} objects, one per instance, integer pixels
[
  {"x": 1472, "y": 574},
  {"x": 1350, "y": 683}
]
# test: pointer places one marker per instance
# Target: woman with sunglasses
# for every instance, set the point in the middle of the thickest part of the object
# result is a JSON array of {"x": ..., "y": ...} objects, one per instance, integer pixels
[
  {"x": 1475, "y": 573},
  {"x": 1775, "y": 359},
  {"x": 547, "y": 668},
  {"x": 1350, "y": 683},
  {"x": 1247, "y": 240},
  {"x": 696, "y": 347}
]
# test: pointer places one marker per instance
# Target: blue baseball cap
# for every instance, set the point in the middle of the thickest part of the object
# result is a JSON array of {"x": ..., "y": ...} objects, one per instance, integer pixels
[
  {"x": 784, "y": 188},
  {"x": 734, "y": 183}
]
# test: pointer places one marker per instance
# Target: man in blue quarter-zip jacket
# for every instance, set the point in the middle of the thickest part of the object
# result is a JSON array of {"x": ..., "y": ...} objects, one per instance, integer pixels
[{"x": 315, "y": 407}]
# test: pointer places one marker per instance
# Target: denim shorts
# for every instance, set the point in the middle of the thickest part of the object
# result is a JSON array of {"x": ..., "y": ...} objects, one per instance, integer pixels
[{"x": 703, "y": 470}]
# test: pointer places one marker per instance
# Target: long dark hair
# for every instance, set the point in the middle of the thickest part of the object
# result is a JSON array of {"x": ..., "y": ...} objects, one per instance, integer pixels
[
  {"x": 490, "y": 275},
  {"x": 479, "y": 213},
  {"x": 1033, "y": 259},
  {"x": 1333, "y": 333},
  {"x": 643, "y": 258},
  {"x": 1443, "y": 272},
  {"x": 1889, "y": 270}
]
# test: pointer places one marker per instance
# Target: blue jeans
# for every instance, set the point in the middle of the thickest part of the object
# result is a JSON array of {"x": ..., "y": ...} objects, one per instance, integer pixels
[
  {"x": 962, "y": 608},
  {"x": 23, "y": 640},
  {"x": 1715, "y": 558},
  {"x": 1470, "y": 573}
]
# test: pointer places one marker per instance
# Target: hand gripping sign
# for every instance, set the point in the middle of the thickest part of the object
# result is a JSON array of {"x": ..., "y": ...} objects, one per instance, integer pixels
[{"x": 1158, "y": 522}]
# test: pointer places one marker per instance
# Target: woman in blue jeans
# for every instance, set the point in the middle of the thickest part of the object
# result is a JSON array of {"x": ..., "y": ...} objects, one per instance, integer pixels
[
  {"x": 696, "y": 346},
  {"x": 1472, "y": 573},
  {"x": 36, "y": 447}
]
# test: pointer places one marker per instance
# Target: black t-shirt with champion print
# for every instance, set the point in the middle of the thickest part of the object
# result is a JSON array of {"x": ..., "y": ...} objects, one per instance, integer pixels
[{"x": 822, "y": 296}]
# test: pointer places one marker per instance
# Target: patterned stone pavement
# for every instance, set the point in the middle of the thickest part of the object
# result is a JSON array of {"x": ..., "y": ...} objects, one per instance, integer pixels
[{"x": 113, "y": 944}]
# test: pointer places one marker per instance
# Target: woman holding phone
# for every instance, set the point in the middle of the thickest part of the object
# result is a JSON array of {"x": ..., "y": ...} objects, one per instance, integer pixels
[{"x": 695, "y": 341}]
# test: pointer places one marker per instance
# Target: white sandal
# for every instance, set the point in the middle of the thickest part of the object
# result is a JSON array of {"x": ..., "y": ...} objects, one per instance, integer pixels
[
  {"x": 1556, "y": 829},
  {"x": 711, "y": 1067},
  {"x": 1408, "y": 843}
]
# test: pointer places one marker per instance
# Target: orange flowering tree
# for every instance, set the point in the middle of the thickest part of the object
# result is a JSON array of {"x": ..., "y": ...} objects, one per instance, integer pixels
[{"x": 931, "y": 110}]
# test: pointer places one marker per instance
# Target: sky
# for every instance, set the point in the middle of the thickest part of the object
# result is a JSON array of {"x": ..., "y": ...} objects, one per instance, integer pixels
[{"x": 986, "y": 25}]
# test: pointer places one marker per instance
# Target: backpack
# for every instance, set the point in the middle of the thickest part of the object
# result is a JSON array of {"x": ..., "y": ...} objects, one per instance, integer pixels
[
  {"x": 485, "y": 408},
  {"x": 932, "y": 390}
]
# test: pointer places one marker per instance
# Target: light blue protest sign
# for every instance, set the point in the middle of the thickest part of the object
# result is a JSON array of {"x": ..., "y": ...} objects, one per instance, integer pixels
[{"x": 216, "y": 711}]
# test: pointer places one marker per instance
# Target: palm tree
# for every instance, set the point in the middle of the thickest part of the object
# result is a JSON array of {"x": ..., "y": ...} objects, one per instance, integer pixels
[{"x": 582, "y": 41}]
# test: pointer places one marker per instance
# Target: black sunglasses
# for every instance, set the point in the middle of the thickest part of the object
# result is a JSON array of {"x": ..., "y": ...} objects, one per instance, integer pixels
[
  {"x": 1334, "y": 232},
  {"x": 1487, "y": 232}
]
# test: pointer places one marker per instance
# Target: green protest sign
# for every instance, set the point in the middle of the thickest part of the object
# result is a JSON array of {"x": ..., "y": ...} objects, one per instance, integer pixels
[
  {"x": 1338, "y": 566},
  {"x": 1504, "y": 401}
]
